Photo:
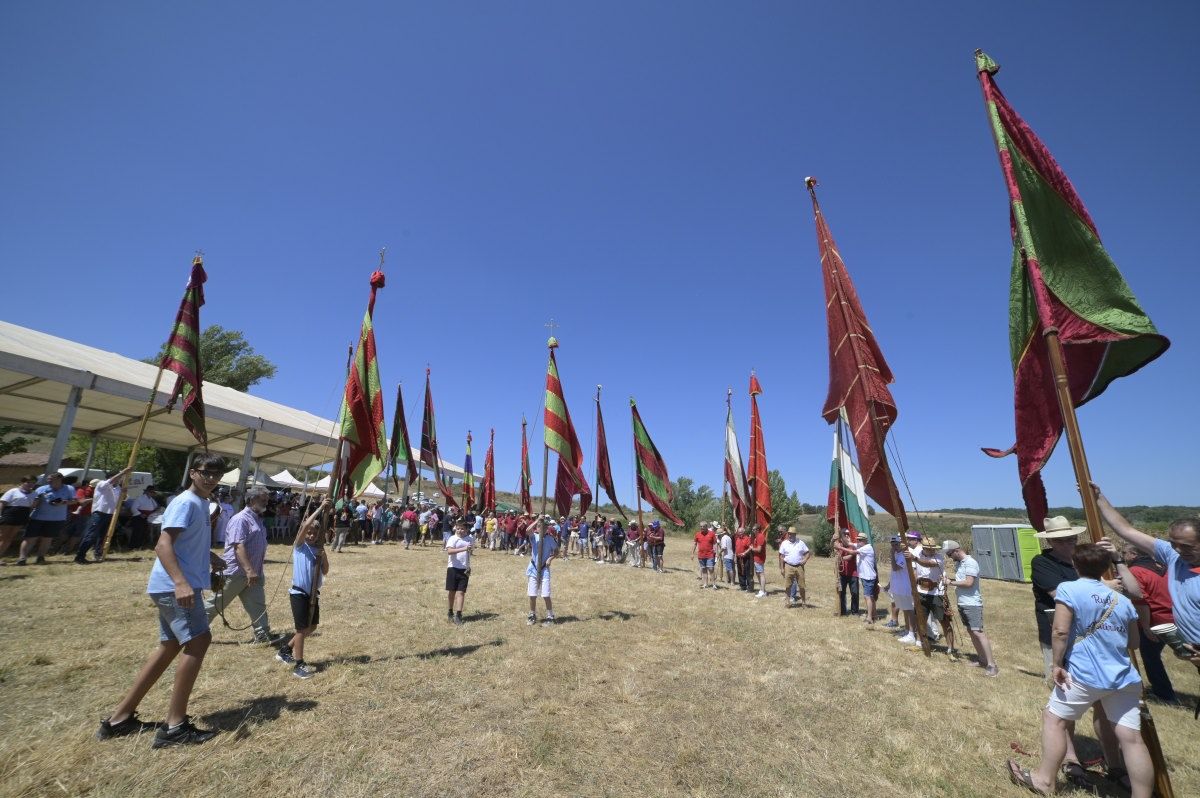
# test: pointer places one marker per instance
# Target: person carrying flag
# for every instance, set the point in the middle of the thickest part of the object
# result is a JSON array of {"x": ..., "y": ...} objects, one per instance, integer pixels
[{"x": 543, "y": 548}]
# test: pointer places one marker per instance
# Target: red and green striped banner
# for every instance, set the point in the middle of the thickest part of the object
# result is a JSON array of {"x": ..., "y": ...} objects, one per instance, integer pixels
[
  {"x": 1062, "y": 278},
  {"x": 526, "y": 475},
  {"x": 487, "y": 494},
  {"x": 182, "y": 355},
  {"x": 429, "y": 446},
  {"x": 604, "y": 477},
  {"x": 362, "y": 427},
  {"x": 401, "y": 447},
  {"x": 654, "y": 484},
  {"x": 560, "y": 436}
]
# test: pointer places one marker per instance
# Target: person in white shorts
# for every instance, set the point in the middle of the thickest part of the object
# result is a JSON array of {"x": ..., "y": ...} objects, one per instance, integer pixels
[
  {"x": 900, "y": 590},
  {"x": 543, "y": 548},
  {"x": 1093, "y": 630}
]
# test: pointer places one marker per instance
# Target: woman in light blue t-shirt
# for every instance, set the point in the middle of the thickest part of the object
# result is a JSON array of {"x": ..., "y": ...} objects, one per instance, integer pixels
[{"x": 1093, "y": 630}]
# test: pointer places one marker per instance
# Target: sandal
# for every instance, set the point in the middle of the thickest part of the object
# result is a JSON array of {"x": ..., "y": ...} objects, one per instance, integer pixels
[{"x": 1022, "y": 778}]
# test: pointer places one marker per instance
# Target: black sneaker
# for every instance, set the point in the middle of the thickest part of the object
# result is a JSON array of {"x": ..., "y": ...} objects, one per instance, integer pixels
[
  {"x": 284, "y": 655},
  {"x": 41, "y": 561},
  {"x": 183, "y": 734},
  {"x": 303, "y": 670},
  {"x": 530, "y": 619},
  {"x": 458, "y": 621},
  {"x": 82, "y": 562},
  {"x": 131, "y": 725}
]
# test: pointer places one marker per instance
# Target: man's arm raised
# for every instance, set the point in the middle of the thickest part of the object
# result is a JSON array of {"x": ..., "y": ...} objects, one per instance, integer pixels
[{"x": 1123, "y": 528}]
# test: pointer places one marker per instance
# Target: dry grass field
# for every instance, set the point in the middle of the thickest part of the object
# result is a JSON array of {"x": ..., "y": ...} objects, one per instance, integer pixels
[{"x": 647, "y": 687}]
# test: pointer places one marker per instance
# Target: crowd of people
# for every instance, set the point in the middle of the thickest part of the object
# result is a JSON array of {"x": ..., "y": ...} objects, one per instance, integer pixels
[{"x": 1093, "y": 602}]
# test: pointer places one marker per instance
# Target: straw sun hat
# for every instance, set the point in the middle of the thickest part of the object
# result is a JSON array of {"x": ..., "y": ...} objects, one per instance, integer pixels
[{"x": 1060, "y": 527}]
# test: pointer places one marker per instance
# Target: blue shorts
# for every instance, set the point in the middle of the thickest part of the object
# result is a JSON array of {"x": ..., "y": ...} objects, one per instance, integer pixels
[
  {"x": 758, "y": 568},
  {"x": 176, "y": 623},
  {"x": 728, "y": 563},
  {"x": 869, "y": 586},
  {"x": 706, "y": 562}
]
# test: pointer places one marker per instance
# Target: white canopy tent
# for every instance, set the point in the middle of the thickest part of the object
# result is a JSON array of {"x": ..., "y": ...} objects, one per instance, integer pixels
[
  {"x": 57, "y": 384},
  {"x": 259, "y": 477},
  {"x": 371, "y": 491},
  {"x": 285, "y": 480}
]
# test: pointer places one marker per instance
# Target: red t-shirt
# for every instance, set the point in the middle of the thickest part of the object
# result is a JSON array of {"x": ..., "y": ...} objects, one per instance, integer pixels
[
  {"x": 1156, "y": 595},
  {"x": 706, "y": 544},
  {"x": 741, "y": 545},
  {"x": 760, "y": 540},
  {"x": 84, "y": 510}
]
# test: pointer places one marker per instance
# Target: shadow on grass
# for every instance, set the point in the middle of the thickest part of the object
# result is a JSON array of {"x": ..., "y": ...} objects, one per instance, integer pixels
[
  {"x": 254, "y": 712},
  {"x": 616, "y": 615},
  {"x": 364, "y": 659},
  {"x": 11, "y": 577},
  {"x": 480, "y": 616}
]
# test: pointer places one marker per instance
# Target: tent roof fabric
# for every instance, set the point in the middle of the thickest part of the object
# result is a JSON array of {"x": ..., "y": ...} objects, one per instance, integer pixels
[{"x": 38, "y": 372}]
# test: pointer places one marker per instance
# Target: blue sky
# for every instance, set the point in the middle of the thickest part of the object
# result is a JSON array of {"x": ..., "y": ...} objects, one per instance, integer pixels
[{"x": 633, "y": 170}]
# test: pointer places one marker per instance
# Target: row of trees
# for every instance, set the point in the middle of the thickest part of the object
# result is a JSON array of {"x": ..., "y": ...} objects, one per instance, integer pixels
[{"x": 697, "y": 503}]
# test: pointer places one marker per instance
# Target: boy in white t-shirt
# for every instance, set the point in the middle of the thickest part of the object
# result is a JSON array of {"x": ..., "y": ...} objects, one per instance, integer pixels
[{"x": 458, "y": 570}]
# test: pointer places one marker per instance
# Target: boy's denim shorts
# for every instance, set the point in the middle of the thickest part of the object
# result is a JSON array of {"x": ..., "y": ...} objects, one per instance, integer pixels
[{"x": 176, "y": 623}]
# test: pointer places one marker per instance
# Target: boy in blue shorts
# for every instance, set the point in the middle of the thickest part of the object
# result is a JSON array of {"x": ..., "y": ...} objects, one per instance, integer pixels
[{"x": 181, "y": 571}]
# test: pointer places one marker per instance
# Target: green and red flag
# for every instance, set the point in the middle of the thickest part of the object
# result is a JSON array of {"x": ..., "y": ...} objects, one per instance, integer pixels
[
  {"x": 468, "y": 487},
  {"x": 858, "y": 373},
  {"x": 429, "y": 446},
  {"x": 364, "y": 442},
  {"x": 182, "y": 355},
  {"x": 604, "y": 477},
  {"x": 1062, "y": 278},
  {"x": 653, "y": 482},
  {"x": 758, "y": 477},
  {"x": 401, "y": 447},
  {"x": 526, "y": 475},
  {"x": 560, "y": 436},
  {"x": 735, "y": 473},
  {"x": 487, "y": 493},
  {"x": 847, "y": 507}
]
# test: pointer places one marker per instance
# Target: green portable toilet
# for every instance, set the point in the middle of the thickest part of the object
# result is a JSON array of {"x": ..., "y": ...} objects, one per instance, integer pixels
[{"x": 1004, "y": 551}]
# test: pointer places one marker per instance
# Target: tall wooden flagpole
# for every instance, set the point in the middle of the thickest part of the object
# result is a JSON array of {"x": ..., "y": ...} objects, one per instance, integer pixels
[
  {"x": 122, "y": 494},
  {"x": 541, "y": 560},
  {"x": 900, "y": 515},
  {"x": 725, "y": 454},
  {"x": 1066, "y": 406}
]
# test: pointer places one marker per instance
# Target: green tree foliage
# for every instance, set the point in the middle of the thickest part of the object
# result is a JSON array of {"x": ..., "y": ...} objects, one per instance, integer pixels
[
  {"x": 694, "y": 503},
  {"x": 822, "y": 539},
  {"x": 11, "y": 443},
  {"x": 228, "y": 359},
  {"x": 785, "y": 507}
]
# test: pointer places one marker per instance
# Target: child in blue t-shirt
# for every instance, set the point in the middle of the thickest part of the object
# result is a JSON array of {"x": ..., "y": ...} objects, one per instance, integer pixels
[{"x": 310, "y": 566}]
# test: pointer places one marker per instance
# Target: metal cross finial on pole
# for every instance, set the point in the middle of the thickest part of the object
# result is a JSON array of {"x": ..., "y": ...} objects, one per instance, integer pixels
[
  {"x": 552, "y": 325},
  {"x": 382, "y": 254}
]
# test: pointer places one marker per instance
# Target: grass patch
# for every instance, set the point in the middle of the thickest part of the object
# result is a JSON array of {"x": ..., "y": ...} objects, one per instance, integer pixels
[{"x": 648, "y": 687}]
